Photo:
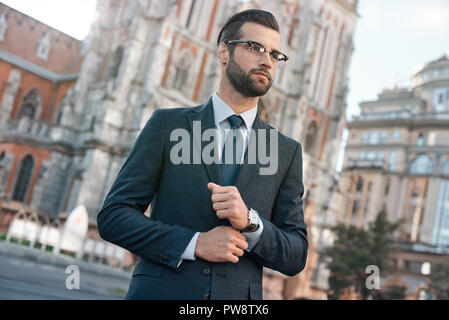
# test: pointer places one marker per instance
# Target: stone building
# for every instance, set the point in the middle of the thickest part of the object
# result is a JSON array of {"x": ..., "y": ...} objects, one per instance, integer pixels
[
  {"x": 141, "y": 55},
  {"x": 397, "y": 158}
]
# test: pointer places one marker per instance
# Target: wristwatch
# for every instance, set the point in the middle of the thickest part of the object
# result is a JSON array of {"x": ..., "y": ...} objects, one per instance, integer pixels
[{"x": 253, "y": 218}]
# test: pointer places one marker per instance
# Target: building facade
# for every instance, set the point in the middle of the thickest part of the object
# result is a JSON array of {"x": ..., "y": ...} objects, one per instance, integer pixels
[
  {"x": 397, "y": 158},
  {"x": 141, "y": 55}
]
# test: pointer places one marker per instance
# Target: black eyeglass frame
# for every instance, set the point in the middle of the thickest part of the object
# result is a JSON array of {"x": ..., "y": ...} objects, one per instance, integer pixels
[{"x": 250, "y": 42}]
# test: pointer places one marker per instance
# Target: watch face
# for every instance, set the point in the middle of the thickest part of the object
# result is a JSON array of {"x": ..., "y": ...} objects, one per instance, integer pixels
[{"x": 253, "y": 217}]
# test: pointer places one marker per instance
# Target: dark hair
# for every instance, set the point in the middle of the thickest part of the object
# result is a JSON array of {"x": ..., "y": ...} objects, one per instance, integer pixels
[{"x": 232, "y": 29}]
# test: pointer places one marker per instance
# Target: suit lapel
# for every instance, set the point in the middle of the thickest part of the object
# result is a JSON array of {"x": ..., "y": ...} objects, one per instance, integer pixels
[{"x": 205, "y": 114}]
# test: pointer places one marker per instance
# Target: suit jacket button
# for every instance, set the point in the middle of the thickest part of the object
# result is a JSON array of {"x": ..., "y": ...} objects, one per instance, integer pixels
[{"x": 206, "y": 271}]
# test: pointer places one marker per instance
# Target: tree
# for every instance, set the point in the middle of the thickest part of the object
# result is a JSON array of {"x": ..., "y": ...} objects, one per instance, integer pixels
[
  {"x": 354, "y": 249},
  {"x": 439, "y": 280}
]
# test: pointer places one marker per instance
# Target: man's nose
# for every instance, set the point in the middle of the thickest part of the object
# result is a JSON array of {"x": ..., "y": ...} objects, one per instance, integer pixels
[{"x": 266, "y": 60}]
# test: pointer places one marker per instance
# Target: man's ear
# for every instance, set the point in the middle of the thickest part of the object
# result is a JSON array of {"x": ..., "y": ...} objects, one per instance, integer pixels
[{"x": 223, "y": 53}]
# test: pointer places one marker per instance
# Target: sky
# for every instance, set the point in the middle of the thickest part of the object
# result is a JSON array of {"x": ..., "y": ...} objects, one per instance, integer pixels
[
  {"x": 73, "y": 17},
  {"x": 392, "y": 38}
]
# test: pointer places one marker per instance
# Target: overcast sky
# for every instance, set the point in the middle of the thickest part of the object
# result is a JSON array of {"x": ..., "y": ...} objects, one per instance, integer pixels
[
  {"x": 73, "y": 17},
  {"x": 392, "y": 38}
]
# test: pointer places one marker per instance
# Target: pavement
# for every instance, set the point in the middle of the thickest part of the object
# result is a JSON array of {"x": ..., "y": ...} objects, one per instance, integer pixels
[{"x": 30, "y": 274}]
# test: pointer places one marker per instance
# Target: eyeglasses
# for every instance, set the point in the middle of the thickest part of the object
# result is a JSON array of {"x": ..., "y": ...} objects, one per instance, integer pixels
[{"x": 259, "y": 49}]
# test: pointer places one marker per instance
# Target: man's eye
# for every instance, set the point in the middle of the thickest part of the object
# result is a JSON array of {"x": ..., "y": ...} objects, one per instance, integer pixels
[
  {"x": 256, "y": 47},
  {"x": 275, "y": 55}
]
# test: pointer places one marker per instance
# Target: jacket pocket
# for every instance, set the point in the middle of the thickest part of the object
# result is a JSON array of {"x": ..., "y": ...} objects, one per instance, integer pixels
[
  {"x": 147, "y": 268},
  {"x": 255, "y": 291}
]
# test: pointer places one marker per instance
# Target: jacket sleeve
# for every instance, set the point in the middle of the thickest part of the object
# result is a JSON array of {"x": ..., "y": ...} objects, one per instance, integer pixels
[
  {"x": 283, "y": 244},
  {"x": 121, "y": 219}
]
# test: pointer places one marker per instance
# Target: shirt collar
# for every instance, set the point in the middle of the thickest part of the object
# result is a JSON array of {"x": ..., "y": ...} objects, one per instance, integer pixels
[{"x": 222, "y": 111}]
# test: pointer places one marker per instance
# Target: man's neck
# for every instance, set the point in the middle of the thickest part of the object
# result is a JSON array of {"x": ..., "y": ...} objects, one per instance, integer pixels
[{"x": 236, "y": 101}]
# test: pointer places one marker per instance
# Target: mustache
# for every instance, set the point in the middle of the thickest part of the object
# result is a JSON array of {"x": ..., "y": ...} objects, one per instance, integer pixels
[{"x": 263, "y": 71}]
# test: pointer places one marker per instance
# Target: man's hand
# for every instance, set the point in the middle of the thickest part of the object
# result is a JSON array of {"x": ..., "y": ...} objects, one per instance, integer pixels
[
  {"x": 228, "y": 204},
  {"x": 221, "y": 244}
]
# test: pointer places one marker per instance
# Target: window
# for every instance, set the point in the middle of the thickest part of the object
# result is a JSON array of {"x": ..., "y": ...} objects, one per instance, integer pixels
[
  {"x": 446, "y": 168},
  {"x": 359, "y": 186},
  {"x": 383, "y": 137},
  {"x": 362, "y": 155},
  {"x": 23, "y": 178},
  {"x": 374, "y": 138},
  {"x": 420, "y": 140},
  {"x": 312, "y": 131},
  {"x": 380, "y": 155},
  {"x": 371, "y": 155},
  {"x": 365, "y": 138},
  {"x": 182, "y": 67},
  {"x": 392, "y": 160},
  {"x": 421, "y": 165},
  {"x": 30, "y": 104},
  {"x": 436, "y": 73},
  {"x": 189, "y": 17},
  {"x": 43, "y": 47},
  {"x": 355, "y": 207},
  {"x": 3, "y": 26},
  {"x": 439, "y": 101},
  {"x": 396, "y": 134},
  {"x": 116, "y": 62}
]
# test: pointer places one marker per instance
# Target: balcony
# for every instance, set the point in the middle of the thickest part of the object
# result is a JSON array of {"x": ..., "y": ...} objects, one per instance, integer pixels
[
  {"x": 44, "y": 132},
  {"x": 403, "y": 117},
  {"x": 366, "y": 164}
]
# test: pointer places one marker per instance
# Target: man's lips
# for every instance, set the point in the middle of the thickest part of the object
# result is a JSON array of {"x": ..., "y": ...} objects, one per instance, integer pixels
[{"x": 263, "y": 74}]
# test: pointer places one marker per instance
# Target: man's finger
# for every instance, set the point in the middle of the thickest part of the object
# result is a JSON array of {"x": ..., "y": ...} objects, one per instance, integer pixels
[
  {"x": 221, "y": 197},
  {"x": 216, "y": 188},
  {"x": 242, "y": 244},
  {"x": 212, "y": 185},
  {"x": 238, "y": 252},
  {"x": 222, "y": 205},
  {"x": 223, "y": 214}
]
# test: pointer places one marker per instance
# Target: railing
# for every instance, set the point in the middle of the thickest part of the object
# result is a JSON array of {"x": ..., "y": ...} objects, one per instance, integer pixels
[
  {"x": 379, "y": 164},
  {"x": 46, "y": 234},
  {"x": 401, "y": 116},
  {"x": 45, "y": 131}
]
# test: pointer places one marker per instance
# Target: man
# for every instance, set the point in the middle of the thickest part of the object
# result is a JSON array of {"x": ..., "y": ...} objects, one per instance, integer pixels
[{"x": 213, "y": 226}]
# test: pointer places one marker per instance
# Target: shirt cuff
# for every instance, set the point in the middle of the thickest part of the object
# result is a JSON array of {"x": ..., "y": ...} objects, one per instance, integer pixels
[
  {"x": 189, "y": 252},
  {"x": 253, "y": 237}
]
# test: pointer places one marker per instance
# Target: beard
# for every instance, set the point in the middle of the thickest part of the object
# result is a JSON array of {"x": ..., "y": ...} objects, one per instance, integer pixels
[{"x": 243, "y": 83}]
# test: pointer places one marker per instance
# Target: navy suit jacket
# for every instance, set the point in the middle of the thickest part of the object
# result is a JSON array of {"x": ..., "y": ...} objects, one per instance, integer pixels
[{"x": 181, "y": 205}]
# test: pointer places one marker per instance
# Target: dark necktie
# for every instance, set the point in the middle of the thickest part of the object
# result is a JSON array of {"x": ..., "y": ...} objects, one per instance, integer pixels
[{"x": 233, "y": 144}]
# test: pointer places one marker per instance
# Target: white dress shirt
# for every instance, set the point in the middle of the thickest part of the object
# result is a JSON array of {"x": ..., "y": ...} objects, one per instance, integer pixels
[{"x": 221, "y": 113}]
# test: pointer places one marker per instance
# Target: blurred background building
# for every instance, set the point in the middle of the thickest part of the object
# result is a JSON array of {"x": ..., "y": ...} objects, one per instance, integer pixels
[
  {"x": 397, "y": 158},
  {"x": 70, "y": 111}
]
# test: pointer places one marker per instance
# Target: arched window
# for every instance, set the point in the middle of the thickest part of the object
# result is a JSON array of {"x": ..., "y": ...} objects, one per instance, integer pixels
[
  {"x": 116, "y": 62},
  {"x": 311, "y": 137},
  {"x": 30, "y": 104},
  {"x": 421, "y": 165},
  {"x": 23, "y": 178}
]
